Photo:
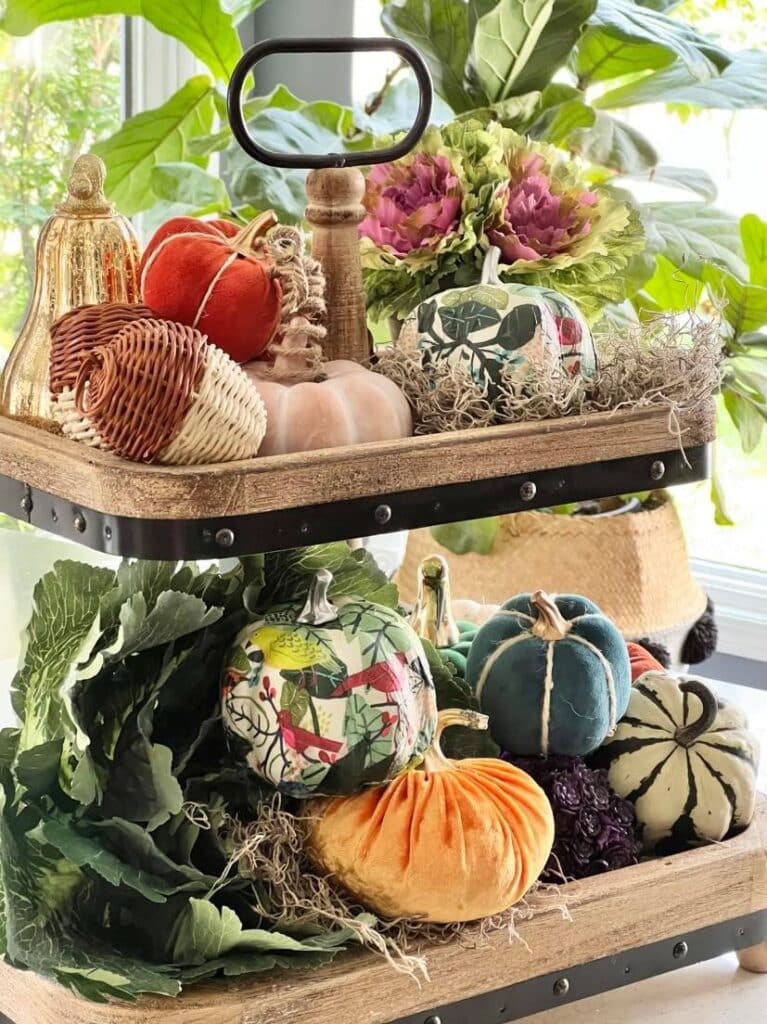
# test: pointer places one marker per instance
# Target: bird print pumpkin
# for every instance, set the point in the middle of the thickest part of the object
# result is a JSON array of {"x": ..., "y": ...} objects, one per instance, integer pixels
[
  {"x": 329, "y": 697},
  {"x": 498, "y": 331}
]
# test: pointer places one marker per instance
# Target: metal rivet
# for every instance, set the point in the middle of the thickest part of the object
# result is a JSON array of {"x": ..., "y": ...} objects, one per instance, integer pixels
[
  {"x": 54, "y": 515},
  {"x": 741, "y": 931},
  {"x": 657, "y": 470},
  {"x": 304, "y": 527},
  {"x": 26, "y": 504},
  {"x": 225, "y": 537},
  {"x": 561, "y": 987},
  {"x": 108, "y": 532},
  {"x": 437, "y": 506},
  {"x": 433, "y": 1020},
  {"x": 79, "y": 522},
  {"x": 528, "y": 490},
  {"x": 681, "y": 950},
  {"x": 207, "y": 536},
  {"x": 382, "y": 514}
]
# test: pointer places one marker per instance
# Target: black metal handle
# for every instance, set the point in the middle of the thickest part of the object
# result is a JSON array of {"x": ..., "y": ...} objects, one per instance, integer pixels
[{"x": 341, "y": 45}]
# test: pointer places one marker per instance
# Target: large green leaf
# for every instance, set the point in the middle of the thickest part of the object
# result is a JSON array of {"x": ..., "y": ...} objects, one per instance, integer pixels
[
  {"x": 191, "y": 187},
  {"x": 396, "y": 111},
  {"x": 701, "y": 56},
  {"x": 355, "y": 574},
  {"x": 201, "y": 25},
  {"x": 742, "y": 85},
  {"x": 473, "y": 535},
  {"x": 319, "y": 127},
  {"x": 560, "y": 111},
  {"x": 603, "y": 54},
  {"x": 153, "y": 137},
  {"x": 440, "y": 30},
  {"x": 748, "y": 416},
  {"x": 614, "y": 144},
  {"x": 692, "y": 235},
  {"x": 280, "y": 96},
  {"x": 559, "y": 37},
  {"x": 753, "y": 232},
  {"x": 504, "y": 42},
  {"x": 746, "y": 304},
  {"x": 62, "y": 631},
  {"x": 671, "y": 288}
]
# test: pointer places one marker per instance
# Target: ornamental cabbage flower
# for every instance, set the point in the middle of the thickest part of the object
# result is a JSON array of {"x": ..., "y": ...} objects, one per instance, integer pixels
[
  {"x": 412, "y": 205},
  {"x": 425, "y": 215},
  {"x": 556, "y": 230}
]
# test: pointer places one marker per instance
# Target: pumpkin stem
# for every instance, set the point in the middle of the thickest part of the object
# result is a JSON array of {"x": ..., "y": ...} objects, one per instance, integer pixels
[
  {"x": 551, "y": 623},
  {"x": 686, "y": 735},
  {"x": 319, "y": 609},
  {"x": 432, "y": 616},
  {"x": 247, "y": 240},
  {"x": 434, "y": 760}
]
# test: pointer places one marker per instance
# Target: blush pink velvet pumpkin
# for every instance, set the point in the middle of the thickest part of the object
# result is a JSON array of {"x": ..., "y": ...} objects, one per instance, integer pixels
[{"x": 351, "y": 405}]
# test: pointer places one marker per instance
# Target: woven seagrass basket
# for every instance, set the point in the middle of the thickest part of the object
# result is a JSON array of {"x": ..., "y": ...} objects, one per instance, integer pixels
[{"x": 634, "y": 566}]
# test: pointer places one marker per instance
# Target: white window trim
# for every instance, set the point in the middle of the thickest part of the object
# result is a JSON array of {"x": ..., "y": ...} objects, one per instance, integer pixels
[
  {"x": 157, "y": 65},
  {"x": 740, "y": 603}
]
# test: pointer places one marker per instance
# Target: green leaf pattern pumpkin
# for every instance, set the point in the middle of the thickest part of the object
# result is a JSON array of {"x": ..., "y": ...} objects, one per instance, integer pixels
[
  {"x": 329, "y": 698},
  {"x": 494, "y": 329}
]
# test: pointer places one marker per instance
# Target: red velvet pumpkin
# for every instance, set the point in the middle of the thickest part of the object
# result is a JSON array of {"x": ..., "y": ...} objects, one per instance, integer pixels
[
  {"x": 642, "y": 661},
  {"x": 213, "y": 276}
]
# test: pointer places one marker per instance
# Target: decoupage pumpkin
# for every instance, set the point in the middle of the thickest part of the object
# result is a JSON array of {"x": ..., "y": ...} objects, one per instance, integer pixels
[
  {"x": 685, "y": 759},
  {"x": 494, "y": 329},
  {"x": 641, "y": 661},
  {"x": 329, "y": 697},
  {"x": 552, "y": 674},
  {"x": 212, "y": 276},
  {"x": 345, "y": 404},
  {"x": 447, "y": 841}
]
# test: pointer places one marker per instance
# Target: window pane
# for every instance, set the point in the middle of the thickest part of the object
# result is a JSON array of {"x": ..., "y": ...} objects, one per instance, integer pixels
[{"x": 60, "y": 89}]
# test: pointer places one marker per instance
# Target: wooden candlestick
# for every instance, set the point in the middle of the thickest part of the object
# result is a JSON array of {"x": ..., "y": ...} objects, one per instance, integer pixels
[{"x": 334, "y": 211}]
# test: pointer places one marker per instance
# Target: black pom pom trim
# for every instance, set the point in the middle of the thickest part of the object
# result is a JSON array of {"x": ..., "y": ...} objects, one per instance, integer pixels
[
  {"x": 658, "y": 651},
  {"x": 702, "y": 639}
]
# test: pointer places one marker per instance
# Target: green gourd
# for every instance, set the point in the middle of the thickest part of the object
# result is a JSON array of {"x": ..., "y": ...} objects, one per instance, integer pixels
[
  {"x": 685, "y": 760},
  {"x": 552, "y": 674}
]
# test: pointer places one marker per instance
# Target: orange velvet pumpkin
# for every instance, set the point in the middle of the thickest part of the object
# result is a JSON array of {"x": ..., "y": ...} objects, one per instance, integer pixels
[
  {"x": 214, "y": 276},
  {"x": 347, "y": 405},
  {"x": 642, "y": 661},
  {"x": 450, "y": 841}
]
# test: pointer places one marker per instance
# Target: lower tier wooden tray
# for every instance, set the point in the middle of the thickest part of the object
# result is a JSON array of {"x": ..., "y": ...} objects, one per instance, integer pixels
[
  {"x": 282, "y": 501},
  {"x": 626, "y": 926}
]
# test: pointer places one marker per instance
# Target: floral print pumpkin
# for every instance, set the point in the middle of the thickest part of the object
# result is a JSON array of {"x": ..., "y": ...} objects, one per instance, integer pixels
[
  {"x": 494, "y": 329},
  {"x": 330, "y": 697}
]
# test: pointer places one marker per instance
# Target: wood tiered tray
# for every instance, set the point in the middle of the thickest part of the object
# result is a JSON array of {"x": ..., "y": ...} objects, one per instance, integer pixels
[
  {"x": 284, "y": 501},
  {"x": 625, "y": 926}
]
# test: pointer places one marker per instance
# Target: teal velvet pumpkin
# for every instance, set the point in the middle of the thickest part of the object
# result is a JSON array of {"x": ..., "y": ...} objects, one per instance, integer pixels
[{"x": 551, "y": 673}]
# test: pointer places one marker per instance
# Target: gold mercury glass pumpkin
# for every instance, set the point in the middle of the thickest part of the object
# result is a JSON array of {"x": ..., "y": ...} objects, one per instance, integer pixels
[{"x": 86, "y": 253}]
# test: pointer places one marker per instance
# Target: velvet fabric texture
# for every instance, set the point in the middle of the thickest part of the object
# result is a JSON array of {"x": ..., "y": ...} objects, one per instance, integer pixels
[
  {"x": 453, "y": 844},
  {"x": 641, "y": 661},
  {"x": 351, "y": 405},
  {"x": 558, "y": 693},
  {"x": 190, "y": 273}
]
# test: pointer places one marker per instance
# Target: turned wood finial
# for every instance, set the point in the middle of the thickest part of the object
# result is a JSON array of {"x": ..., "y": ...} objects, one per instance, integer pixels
[{"x": 335, "y": 211}]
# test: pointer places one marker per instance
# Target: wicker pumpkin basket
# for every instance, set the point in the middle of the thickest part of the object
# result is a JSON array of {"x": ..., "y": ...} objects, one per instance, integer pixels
[{"x": 633, "y": 565}]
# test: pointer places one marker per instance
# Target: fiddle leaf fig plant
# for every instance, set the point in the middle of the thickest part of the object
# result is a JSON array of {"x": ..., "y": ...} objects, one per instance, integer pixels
[{"x": 565, "y": 73}]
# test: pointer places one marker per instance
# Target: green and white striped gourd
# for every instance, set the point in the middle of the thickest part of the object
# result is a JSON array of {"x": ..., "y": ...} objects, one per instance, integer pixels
[
  {"x": 685, "y": 759},
  {"x": 551, "y": 673}
]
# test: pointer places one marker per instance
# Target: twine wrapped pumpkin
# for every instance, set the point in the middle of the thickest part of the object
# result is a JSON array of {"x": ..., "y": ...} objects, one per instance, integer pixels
[{"x": 158, "y": 392}]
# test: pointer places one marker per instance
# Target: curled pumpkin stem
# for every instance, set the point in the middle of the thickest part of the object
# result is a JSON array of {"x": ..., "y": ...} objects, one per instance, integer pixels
[
  {"x": 686, "y": 735},
  {"x": 434, "y": 759},
  {"x": 550, "y": 624}
]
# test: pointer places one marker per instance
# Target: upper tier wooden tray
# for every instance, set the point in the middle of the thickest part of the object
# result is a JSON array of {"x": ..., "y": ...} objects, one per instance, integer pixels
[
  {"x": 626, "y": 925},
  {"x": 280, "y": 501}
]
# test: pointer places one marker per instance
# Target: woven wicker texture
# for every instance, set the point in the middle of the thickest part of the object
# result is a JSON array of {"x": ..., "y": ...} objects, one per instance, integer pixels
[
  {"x": 227, "y": 420},
  {"x": 81, "y": 330},
  {"x": 158, "y": 392},
  {"x": 634, "y": 566}
]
